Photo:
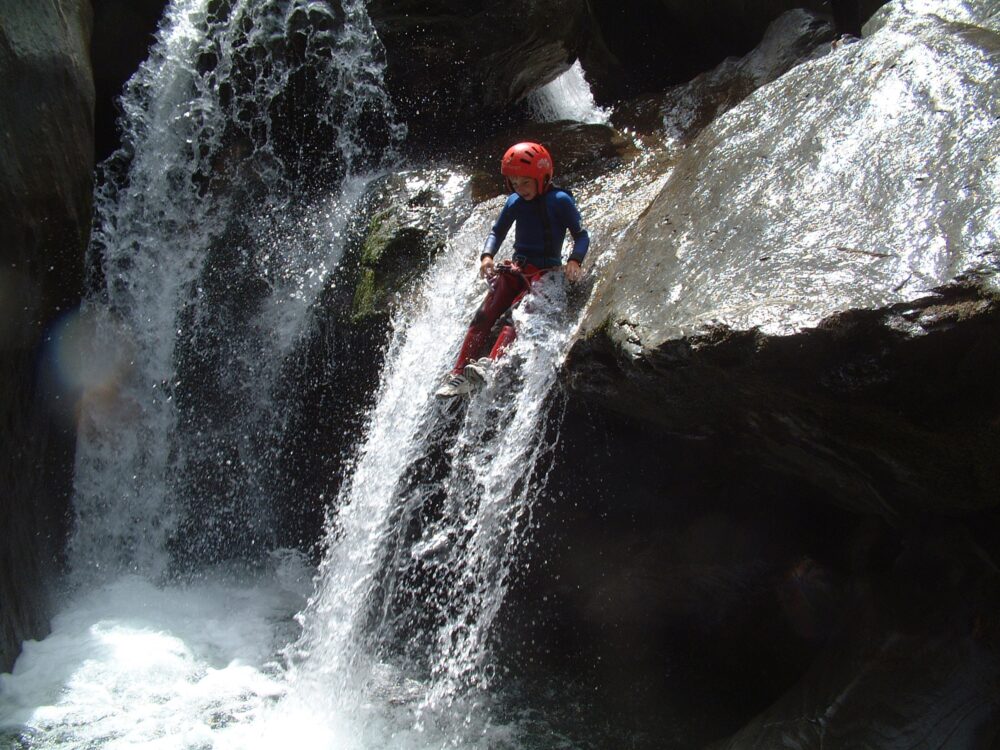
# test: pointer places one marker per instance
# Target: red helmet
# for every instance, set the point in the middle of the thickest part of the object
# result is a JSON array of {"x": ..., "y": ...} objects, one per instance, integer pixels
[{"x": 528, "y": 160}]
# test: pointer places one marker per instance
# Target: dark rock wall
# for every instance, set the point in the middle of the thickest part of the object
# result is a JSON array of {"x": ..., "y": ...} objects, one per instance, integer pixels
[
  {"x": 46, "y": 161},
  {"x": 684, "y": 110},
  {"x": 692, "y": 593},
  {"x": 685, "y": 585},
  {"x": 460, "y": 70},
  {"x": 652, "y": 44},
  {"x": 882, "y": 422},
  {"x": 123, "y": 33},
  {"x": 912, "y": 664},
  {"x": 663, "y": 42},
  {"x": 457, "y": 67}
]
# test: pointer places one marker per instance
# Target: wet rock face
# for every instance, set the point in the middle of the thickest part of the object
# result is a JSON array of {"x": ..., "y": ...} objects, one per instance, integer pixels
[
  {"x": 849, "y": 396},
  {"x": 857, "y": 181},
  {"x": 46, "y": 160},
  {"x": 412, "y": 214},
  {"x": 456, "y": 67}
]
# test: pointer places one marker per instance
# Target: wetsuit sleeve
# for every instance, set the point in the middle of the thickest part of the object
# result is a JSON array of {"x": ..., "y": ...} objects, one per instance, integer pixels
[
  {"x": 571, "y": 218},
  {"x": 499, "y": 231}
]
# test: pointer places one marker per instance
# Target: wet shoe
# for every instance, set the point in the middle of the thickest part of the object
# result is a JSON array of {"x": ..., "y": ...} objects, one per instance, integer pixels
[
  {"x": 455, "y": 385},
  {"x": 478, "y": 371}
]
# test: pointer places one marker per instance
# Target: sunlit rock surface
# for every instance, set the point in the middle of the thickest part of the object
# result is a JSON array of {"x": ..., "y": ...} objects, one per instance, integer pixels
[
  {"x": 812, "y": 247},
  {"x": 46, "y": 160},
  {"x": 862, "y": 179}
]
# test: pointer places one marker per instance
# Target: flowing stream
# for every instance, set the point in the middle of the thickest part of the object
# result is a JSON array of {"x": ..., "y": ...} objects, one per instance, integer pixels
[{"x": 184, "y": 622}]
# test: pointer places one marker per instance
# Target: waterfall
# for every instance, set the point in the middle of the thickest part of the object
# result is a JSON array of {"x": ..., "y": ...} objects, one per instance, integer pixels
[
  {"x": 422, "y": 545},
  {"x": 568, "y": 97},
  {"x": 420, "y": 552},
  {"x": 218, "y": 224}
]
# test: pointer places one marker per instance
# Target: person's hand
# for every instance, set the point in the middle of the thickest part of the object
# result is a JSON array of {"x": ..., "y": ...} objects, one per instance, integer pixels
[
  {"x": 573, "y": 271},
  {"x": 486, "y": 268}
]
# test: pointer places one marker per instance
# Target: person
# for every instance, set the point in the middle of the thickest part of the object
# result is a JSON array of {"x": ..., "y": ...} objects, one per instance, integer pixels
[{"x": 541, "y": 215}]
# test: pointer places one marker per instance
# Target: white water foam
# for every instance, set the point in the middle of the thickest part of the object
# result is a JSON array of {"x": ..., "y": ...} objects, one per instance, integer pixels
[{"x": 129, "y": 664}]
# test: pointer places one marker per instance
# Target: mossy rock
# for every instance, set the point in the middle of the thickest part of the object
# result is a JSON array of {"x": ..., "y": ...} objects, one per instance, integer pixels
[{"x": 410, "y": 220}]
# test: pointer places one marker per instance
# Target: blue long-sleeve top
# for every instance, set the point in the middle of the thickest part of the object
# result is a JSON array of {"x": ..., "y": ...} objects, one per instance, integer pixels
[{"x": 541, "y": 226}]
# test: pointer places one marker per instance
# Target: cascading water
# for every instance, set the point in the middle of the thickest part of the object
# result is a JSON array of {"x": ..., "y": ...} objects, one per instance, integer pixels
[
  {"x": 201, "y": 298},
  {"x": 421, "y": 548},
  {"x": 568, "y": 97},
  {"x": 219, "y": 227}
]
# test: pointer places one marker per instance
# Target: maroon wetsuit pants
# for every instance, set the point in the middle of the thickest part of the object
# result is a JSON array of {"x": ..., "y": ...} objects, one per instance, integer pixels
[{"x": 508, "y": 286}]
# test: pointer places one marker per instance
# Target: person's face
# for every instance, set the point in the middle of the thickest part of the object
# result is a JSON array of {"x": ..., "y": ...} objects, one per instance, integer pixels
[{"x": 525, "y": 187}]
